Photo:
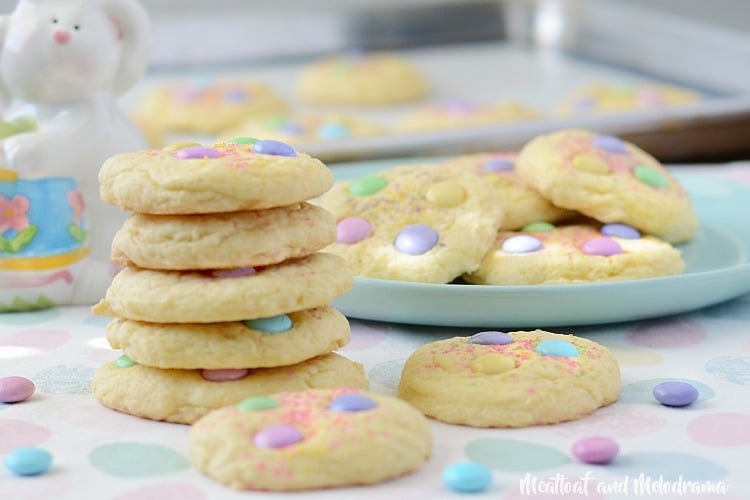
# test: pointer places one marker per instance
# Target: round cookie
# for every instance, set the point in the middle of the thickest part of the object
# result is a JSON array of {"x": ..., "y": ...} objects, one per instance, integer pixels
[
  {"x": 575, "y": 253},
  {"x": 522, "y": 205},
  {"x": 225, "y": 177},
  {"x": 458, "y": 114},
  {"x": 374, "y": 79},
  {"x": 515, "y": 379},
  {"x": 206, "y": 107},
  {"x": 612, "y": 97},
  {"x": 279, "y": 340},
  {"x": 309, "y": 440},
  {"x": 225, "y": 295},
  {"x": 220, "y": 241},
  {"x": 418, "y": 223},
  {"x": 184, "y": 396},
  {"x": 609, "y": 180}
]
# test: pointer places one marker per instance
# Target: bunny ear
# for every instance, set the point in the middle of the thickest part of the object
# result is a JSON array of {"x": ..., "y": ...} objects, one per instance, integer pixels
[{"x": 133, "y": 28}]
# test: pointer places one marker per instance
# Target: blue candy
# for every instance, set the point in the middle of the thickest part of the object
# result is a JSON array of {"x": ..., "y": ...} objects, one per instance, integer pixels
[
  {"x": 28, "y": 461},
  {"x": 467, "y": 477}
]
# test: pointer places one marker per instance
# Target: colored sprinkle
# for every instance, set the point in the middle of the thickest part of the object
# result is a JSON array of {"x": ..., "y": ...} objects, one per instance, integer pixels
[
  {"x": 675, "y": 393},
  {"x": 650, "y": 176},
  {"x": 603, "y": 246},
  {"x": 277, "y": 436},
  {"x": 273, "y": 324},
  {"x": 352, "y": 230},
  {"x": 237, "y": 272},
  {"x": 257, "y": 403},
  {"x": 554, "y": 347},
  {"x": 15, "y": 389},
  {"x": 197, "y": 152},
  {"x": 225, "y": 375},
  {"x": 124, "y": 362},
  {"x": 538, "y": 227},
  {"x": 522, "y": 244},
  {"x": 590, "y": 163},
  {"x": 620, "y": 231},
  {"x": 467, "y": 477},
  {"x": 498, "y": 165},
  {"x": 180, "y": 145},
  {"x": 28, "y": 461},
  {"x": 492, "y": 364},
  {"x": 446, "y": 194},
  {"x": 243, "y": 140},
  {"x": 367, "y": 186},
  {"x": 491, "y": 338},
  {"x": 275, "y": 148},
  {"x": 610, "y": 143},
  {"x": 595, "y": 450},
  {"x": 352, "y": 403},
  {"x": 416, "y": 239},
  {"x": 333, "y": 131}
]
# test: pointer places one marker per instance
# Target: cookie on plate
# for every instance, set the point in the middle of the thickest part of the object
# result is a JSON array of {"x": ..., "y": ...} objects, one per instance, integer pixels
[
  {"x": 618, "y": 97},
  {"x": 183, "y": 396},
  {"x": 515, "y": 379},
  {"x": 457, "y": 114},
  {"x": 418, "y": 223},
  {"x": 225, "y": 295},
  {"x": 575, "y": 253},
  {"x": 522, "y": 204},
  {"x": 221, "y": 241},
  {"x": 192, "y": 179},
  {"x": 309, "y": 440},
  {"x": 206, "y": 107},
  {"x": 279, "y": 340},
  {"x": 609, "y": 180},
  {"x": 368, "y": 79}
]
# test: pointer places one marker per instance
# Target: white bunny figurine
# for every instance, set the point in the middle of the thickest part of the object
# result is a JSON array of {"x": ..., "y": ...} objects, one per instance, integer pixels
[{"x": 63, "y": 63}]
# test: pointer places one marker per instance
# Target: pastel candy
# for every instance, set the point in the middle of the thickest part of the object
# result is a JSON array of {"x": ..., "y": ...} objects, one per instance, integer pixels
[
  {"x": 416, "y": 239},
  {"x": 595, "y": 449},
  {"x": 467, "y": 477},
  {"x": 28, "y": 461},
  {"x": 675, "y": 393},
  {"x": 15, "y": 389}
]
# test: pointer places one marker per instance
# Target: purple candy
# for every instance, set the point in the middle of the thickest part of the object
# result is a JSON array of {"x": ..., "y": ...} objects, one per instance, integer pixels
[
  {"x": 352, "y": 403},
  {"x": 620, "y": 231},
  {"x": 595, "y": 450},
  {"x": 491, "y": 338},
  {"x": 236, "y": 95},
  {"x": 498, "y": 165},
  {"x": 277, "y": 436},
  {"x": 610, "y": 144},
  {"x": 352, "y": 230},
  {"x": 521, "y": 244},
  {"x": 225, "y": 375},
  {"x": 237, "y": 272},
  {"x": 416, "y": 239},
  {"x": 603, "y": 246},
  {"x": 675, "y": 393},
  {"x": 194, "y": 152},
  {"x": 15, "y": 389},
  {"x": 271, "y": 147}
]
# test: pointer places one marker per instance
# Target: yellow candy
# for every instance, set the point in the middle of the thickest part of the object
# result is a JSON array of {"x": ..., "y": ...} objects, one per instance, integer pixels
[
  {"x": 590, "y": 163},
  {"x": 446, "y": 194},
  {"x": 7, "y": 175},
  {"x": 492, "y": 364}
]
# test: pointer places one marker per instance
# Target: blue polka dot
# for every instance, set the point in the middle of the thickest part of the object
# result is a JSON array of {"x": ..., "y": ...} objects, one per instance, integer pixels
[
  {"x": 738, "y": 310},
  {"x": 137, "y": 460},
  {"x": 514, "y": 456},
  {"x": 641, "y": 392},
  {"x": 669, "y": 466},
  {"x": 29, "y": 318},
  {"x": 98, "y": 321},
  {"x": 64, "y": 379},
  {"x": 388, "y": 373},
  {"x": 734, "y": 369}
]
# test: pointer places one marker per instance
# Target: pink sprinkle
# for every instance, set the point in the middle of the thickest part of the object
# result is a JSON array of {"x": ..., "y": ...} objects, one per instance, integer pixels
[
  {"x": 602, "y": 246},
  {"x": 226, "y": 375},
  {"x": 238, "y": 272}
]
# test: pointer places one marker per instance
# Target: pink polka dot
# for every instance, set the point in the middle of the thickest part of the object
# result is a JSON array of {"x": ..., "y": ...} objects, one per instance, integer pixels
[
  {"x": 89, "y": 414},
  {"x": 365, "y": 336},
  {"x": 623, "y": 424},
  {"x": 165, "y": 491},
  {"x": 587, "y": 489},
  {"x": 19, "y": 434},
  {"x": 721, "y": 429},
  {"x": 667, "y": 334},
  {"x": 40, "y": 339}
]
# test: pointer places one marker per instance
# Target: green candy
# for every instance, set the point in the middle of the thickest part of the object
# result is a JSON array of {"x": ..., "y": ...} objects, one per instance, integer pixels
[
  {"x": 367, "y": 186},
  {"x": 243, "y": 140},
  {"x": 257, "y": 403},
  {"x": 124, "y": 362},
  {"x": 650, "y": 176},
  {"x": 538, "y": 227}
]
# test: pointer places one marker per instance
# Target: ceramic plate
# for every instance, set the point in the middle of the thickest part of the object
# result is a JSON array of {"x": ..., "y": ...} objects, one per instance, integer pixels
[{"x": 717, "y": 270}]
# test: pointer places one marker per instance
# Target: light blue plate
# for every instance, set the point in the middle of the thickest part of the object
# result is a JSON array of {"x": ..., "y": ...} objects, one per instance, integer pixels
[{"x": 717, "y": 270}]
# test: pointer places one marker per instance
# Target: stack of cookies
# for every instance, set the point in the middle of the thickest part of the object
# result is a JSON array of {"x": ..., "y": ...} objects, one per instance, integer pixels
[{"x": 224, "y": 294}]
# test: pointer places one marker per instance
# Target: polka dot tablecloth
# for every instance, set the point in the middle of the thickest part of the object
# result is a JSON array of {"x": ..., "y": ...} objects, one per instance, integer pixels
[{"x": 699, "y": 451}]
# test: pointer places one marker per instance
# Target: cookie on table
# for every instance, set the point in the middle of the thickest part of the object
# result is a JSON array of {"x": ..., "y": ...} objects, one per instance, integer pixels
[
  {"x": 575, "y": 253},
  {"x": 609, "y": 180},
  {"x": 183, "y": 396},
  {"x": 207, "y": 107},
  {"x": 522, "y": 204},
  {"x": 618, "y": 97},
  {"x": 310, "y": 439},
  {"x": 225, "y": 240},
  {"x": 419, "y": 223},
  {"x": 457, "y": 114},
  {"x": 368, "y": 79},
  {"x": 238, "y": 294},
  {"x": 246, "y": 174},
  {"x": 280, "y": 340},
  {"x": 514, "y": 379}
]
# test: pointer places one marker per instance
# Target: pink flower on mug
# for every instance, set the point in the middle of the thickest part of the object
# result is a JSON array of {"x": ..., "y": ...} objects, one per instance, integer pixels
[
  {"x": 13, "y": 213},
  {"x": 75, "y": 198}
]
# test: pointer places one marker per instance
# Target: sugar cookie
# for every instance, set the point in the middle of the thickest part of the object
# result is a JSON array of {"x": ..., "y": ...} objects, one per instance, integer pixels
[
  {"x": 516, "y": 379},
  {"x": 310, "y": 439},
  {"x": 457, "y": 114},
  {"x": 618, "y": 97}
]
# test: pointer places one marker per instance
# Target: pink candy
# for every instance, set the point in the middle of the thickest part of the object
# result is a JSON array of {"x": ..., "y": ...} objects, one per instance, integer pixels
[
  {"x": 595, "y": 450},
  {"x": 15, "y": 389}
]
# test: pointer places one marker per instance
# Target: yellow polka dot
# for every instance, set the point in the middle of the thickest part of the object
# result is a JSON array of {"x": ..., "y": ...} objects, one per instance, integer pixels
[
  {"x": 180, "y": 145},
  {"x": 492, "y": 364},
  {"x": 590, "y": 163},
  {"x": 446, "y": 194}
]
